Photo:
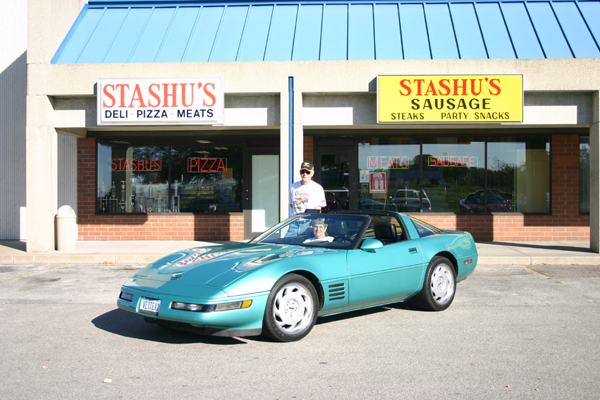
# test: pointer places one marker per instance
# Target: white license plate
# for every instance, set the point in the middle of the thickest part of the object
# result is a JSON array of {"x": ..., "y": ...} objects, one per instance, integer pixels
[{"x": 149, "y": 306}]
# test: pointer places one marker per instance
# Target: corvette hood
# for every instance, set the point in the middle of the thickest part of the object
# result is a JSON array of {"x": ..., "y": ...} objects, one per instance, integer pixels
[{"x": 216, "y": 266}]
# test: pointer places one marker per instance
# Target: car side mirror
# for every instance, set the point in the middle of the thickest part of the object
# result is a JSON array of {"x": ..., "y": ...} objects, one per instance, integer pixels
[{"x": 371, "y": 244}]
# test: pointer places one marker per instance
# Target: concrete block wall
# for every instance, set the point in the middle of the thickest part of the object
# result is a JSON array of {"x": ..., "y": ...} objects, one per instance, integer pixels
[{"x": 143, "y": 227}]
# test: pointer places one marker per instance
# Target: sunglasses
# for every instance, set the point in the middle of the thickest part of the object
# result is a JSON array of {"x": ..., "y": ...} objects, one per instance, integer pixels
[{"x": 304, "y": 171}]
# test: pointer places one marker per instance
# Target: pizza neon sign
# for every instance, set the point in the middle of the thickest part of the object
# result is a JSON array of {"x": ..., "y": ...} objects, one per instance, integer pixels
[{"x": 206, "y": 164}]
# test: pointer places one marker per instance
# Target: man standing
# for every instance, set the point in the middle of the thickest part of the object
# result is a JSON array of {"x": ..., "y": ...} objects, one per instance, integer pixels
[{"x": 306, "y": 193}]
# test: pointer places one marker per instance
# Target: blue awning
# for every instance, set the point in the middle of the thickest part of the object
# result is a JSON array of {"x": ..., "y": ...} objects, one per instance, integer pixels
[{"x": 117, "y": 31}]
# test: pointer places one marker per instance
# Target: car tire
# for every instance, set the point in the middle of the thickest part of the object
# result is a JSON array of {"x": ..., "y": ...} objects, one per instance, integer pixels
[
  {"x": 439, "y": 286},
  {"x": 291, "y": 310}
]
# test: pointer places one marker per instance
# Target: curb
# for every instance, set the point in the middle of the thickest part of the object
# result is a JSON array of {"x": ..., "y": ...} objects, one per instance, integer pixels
[
  {"x": 141, "y": 259},
  {"x": 539, "y": 260}
]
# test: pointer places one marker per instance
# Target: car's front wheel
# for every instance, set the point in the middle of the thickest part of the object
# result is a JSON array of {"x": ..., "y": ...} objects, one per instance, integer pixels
[
  {"x": 291, "y": 309},
  {"x": 439, "y": 286}
]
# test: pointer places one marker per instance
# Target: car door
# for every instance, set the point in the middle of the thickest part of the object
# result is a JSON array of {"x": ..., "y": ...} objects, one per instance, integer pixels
[{"x": 384, "y": 275}]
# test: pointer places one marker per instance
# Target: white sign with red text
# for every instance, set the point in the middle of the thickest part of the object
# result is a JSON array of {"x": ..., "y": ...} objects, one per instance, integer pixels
[
  {"x": 378, "y": 182},
  {"x": 160, "y": 101}
]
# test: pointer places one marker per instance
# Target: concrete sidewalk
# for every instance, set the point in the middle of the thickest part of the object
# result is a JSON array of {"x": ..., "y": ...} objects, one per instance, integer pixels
[{"x": 144, "y": 252}]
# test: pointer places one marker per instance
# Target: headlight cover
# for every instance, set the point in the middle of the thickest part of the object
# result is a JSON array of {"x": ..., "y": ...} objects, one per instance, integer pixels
[
  {"x": 126, "y": 296},
  {"x": 211, "y": 307}
]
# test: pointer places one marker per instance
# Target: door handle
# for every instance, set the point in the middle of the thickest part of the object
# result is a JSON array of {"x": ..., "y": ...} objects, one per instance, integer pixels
[{"x": 413, "y": 250}]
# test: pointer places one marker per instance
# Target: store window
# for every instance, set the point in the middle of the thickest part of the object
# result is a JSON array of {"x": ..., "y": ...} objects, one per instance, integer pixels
[
  {"x": 455, "y": 174},
  {"x": 176, "y": 175},
  {"x": 584, "y": 174},
  {"x": 389, "y": 174},
  {"x": 519, "y": 175}
]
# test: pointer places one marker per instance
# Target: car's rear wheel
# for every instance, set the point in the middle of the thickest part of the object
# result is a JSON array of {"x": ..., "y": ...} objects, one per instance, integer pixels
[
  {"x": 439, "y": 286},
  {"x": 291, "y": 309}
]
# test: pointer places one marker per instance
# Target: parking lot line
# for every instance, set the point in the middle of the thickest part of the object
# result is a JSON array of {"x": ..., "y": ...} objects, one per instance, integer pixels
[{"x": 596, "y": 301}]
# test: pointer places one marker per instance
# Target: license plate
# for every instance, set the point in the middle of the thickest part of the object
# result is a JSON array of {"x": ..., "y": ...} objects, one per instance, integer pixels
[{"x": 149, "y": 306}]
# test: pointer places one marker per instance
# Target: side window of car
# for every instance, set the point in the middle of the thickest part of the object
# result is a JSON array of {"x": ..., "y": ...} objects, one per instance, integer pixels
[{"x": 424, "y": 229}]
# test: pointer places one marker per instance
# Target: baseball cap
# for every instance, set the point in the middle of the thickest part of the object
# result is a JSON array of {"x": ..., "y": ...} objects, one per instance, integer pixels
[{"x": 307, "y": 165}]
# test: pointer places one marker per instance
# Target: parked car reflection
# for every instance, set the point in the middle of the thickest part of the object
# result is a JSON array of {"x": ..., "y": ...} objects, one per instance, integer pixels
[
  {"x": 408, "y": 200},
  {"x": 370, "y": 204},
  {"x": 475, "y": 203}
]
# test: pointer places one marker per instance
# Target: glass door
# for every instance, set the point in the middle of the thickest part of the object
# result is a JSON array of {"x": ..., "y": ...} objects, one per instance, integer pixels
[
  {"x": 335, "y": 170},
  {"x": 261, "y": 192},
  {"x": 265, "y": 200}
]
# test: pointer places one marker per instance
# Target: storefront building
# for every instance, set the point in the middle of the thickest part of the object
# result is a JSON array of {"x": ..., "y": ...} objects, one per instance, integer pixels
[{"x": 188, "y": 120}]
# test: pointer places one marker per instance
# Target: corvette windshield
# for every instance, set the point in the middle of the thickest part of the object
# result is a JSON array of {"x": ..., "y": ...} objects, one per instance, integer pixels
[{"x": 317, "y": 230}]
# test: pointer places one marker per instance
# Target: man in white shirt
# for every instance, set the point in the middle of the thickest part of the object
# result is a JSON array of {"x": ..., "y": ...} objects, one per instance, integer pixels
[{"x": 306, "y": 194}]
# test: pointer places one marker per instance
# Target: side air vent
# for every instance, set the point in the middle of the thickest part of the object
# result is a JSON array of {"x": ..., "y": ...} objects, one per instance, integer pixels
[{"x": 337, "y": 291}]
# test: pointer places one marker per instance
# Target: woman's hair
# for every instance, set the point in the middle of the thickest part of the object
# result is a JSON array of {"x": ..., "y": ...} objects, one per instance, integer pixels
[{"x": 320, "y": 221}]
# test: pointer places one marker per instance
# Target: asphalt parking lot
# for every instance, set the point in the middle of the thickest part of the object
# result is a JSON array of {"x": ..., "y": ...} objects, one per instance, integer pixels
[{"x": 527, "y": 332}]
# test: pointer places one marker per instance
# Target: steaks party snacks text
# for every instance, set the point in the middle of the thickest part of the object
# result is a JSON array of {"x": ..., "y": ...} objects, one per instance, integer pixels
[{"x": 440, "y": 98}]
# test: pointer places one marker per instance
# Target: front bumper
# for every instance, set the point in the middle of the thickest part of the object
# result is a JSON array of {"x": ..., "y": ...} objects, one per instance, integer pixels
[
  {"x": 183, "y": 327},
  {"x": 237, "y": 322}
]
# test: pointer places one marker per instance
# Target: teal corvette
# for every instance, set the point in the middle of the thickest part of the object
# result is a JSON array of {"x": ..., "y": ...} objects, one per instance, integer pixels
[{"x": 307, "y": 266}]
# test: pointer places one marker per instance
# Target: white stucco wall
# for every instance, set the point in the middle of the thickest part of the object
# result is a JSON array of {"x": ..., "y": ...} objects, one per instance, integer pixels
[{"x": 13, "y": 90}]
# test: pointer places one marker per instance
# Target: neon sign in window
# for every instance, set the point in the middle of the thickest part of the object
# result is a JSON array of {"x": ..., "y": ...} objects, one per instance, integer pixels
[
  {"x": 206, "y": 164},
  {"x": 387, "y": 162},
  {"x": 135, "y": 164},
  {"x": 452, "y": 161}
]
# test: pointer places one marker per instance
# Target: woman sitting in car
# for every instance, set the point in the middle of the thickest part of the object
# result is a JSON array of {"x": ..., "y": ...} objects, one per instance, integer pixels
[{"x": 320, "y": 231}]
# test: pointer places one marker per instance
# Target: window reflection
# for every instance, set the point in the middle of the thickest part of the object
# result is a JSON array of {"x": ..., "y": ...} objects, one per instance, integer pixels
[
  {"x": 335, "y": 176},
  {"x": 193, "y": 176},
  {"x": 519, "y": 175},
  {"x": 454, "y": 172},
  {"x": 389, "y": 174},
  {"x": 209, "y": 178}
]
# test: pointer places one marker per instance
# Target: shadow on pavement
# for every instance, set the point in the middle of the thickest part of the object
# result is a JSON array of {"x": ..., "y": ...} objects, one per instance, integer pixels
[
  {"x": 125, "y": 324},
  {"x": 16, "y": 244},
  {"x": 122, "y": 323},
  {"x": 544, "y": 246},
  {"x": 367, "y": 311}
]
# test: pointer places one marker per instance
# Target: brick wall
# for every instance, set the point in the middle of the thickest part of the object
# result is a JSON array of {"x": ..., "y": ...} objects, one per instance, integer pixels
[
  {"x": 309, "y": 149},
  {"x": 143, "y": 227},
  {"x": 563, "y": 224}
]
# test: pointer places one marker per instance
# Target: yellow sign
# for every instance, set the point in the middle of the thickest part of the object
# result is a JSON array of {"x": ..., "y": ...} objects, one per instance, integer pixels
[{"x": 449, "y": 98}]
